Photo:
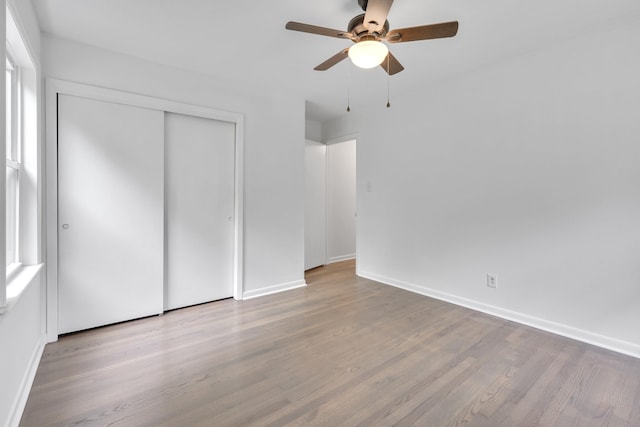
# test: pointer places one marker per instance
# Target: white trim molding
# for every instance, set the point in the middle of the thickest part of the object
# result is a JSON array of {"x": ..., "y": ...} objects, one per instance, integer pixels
[
  {"x": 341, "y": 258},
  {"x": 344, "y": 138},
  {"x": 598, "y": 340},
  {"x": 53, "y": 87},
  {"x": 268, "y": 290}
]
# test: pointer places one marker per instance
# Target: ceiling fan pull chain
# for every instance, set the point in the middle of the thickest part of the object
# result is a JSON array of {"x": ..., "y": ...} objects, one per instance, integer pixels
[
  {"x": 348, "y": 88},
  {"x": 388, "y": 81}
]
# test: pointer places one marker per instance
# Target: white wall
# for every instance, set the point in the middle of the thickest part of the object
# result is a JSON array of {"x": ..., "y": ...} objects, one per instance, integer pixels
[
  {"x": 22, "y": 328},
  {"x": 341, "y": 201},
  {"x": 528, "y": 170},
  {"x": 22, "y": 337},
  {"x": 274, "y": 155},
  {"x": 313, "y": 130}
]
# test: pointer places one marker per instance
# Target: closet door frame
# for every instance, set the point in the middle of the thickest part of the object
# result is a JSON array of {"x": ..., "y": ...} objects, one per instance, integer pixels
[{"x": 54, "y": 87}]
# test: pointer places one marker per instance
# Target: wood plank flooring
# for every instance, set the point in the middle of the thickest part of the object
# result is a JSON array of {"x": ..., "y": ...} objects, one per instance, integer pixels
[{"x": 344, "y": 351}]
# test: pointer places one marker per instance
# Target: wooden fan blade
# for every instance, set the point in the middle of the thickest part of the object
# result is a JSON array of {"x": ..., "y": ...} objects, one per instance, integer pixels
[
  {"x": 333, "y": 60},
  {"x": 313, "y": 29},
  {"x": 376, "y": 14},
  {"x": 424, "y": 32},
  {"x": 391, "y": 65}
]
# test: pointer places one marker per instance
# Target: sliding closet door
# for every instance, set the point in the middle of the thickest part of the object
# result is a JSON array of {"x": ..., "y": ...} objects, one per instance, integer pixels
[
  {"x": 110, "y": 204},
  {"x": 199, "y": 181}
]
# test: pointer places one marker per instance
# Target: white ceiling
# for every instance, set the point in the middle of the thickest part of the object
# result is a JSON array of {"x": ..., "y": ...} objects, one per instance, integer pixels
[{"x": 245, "y": 42}]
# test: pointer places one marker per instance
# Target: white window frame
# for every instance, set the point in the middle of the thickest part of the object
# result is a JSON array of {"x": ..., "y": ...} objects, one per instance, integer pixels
[
  {"x": 14, "y": 162},
  {"x": 28, "y": 159}
]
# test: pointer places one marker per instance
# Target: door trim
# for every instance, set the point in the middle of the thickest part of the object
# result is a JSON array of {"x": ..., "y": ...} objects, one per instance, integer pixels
[{"x": 53, "y": 87}]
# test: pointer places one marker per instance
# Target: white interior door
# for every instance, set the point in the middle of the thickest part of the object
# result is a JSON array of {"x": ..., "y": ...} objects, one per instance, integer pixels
[
  {"x": 200, "y": 172},
  {"x": 315, "y": 204},
  {"x": 110, "y": 211}
]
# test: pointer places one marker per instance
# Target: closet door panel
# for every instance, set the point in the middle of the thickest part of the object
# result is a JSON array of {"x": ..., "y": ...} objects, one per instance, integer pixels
[
  {"x": 110, "y": 202},
  {"x": 200, "y": 168}
]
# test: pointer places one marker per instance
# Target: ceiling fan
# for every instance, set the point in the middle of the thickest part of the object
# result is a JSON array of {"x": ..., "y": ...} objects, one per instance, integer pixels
[{"x": 368, "y": 31}]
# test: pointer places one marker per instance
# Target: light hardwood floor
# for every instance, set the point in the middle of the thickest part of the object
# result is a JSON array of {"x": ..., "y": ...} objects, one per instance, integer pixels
[{"x": 343, "y": 351}]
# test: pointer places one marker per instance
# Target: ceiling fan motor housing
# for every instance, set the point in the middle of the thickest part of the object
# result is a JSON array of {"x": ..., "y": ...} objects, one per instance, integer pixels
[{"x": 357, "y": 28}]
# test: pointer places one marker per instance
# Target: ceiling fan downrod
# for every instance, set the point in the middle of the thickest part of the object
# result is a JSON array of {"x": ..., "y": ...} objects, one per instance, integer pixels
[{"x": 348, "y": 89}]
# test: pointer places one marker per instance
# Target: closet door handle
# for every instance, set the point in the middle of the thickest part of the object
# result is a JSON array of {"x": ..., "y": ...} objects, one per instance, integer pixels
[{"x": 65, "y": 226}]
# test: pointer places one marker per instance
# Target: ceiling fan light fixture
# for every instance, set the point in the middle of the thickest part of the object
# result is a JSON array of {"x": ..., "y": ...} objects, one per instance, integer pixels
[{"x": 368, "y": 53}]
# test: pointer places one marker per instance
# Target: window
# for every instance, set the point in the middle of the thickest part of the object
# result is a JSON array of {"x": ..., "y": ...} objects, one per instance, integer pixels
[
  {"x": 22, "y": 189},
  {"x": 13, "y": 167}
]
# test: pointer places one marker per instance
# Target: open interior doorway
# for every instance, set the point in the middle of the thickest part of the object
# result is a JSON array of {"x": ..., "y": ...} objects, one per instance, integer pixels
[{"x": 330, "y": 202}]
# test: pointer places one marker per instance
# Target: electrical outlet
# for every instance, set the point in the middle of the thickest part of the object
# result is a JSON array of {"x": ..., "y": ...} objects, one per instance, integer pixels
[{"x": 492, "y": 280}]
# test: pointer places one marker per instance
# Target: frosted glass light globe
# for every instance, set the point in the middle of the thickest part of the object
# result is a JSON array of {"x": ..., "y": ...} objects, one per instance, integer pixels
[{"x": 368, "y": 53}]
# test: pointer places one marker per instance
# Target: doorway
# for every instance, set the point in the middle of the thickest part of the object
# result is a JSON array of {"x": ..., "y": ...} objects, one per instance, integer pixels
[{"x": 330, "y": 202}]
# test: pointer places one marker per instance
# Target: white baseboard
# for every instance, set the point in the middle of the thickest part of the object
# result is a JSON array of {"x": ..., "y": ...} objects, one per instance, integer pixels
[
  {"x": 25, "y": 386},
  {"x": 268, "y": 290},
  {"x": 341, "y": 258},
  {"x": 613, "y": 344}
]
